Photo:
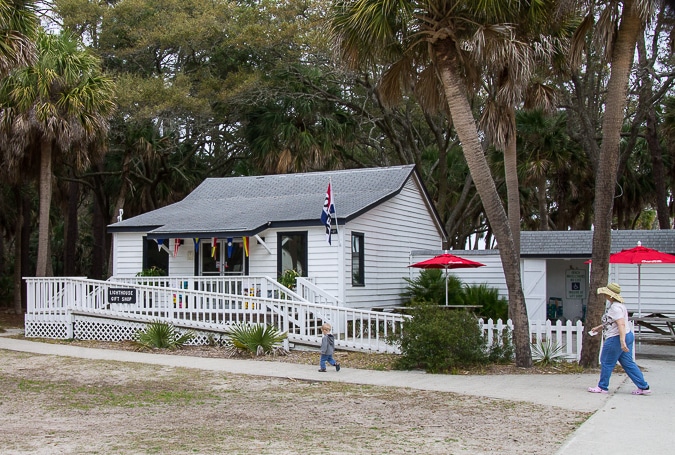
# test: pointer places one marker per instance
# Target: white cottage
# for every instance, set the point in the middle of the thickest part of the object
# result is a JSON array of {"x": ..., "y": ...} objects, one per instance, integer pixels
[
  {"x": 265, "y": 225},
  {"x": 555, "y": 272}
]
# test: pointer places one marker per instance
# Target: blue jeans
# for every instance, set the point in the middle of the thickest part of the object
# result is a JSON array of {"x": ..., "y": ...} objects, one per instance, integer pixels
[
  {"x": 326, "y": 358},
  {"x": 611, "y": 353}
]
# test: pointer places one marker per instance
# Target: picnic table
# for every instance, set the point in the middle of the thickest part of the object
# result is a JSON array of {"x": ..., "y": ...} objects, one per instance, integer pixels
[{"x": 657, "y": 321}]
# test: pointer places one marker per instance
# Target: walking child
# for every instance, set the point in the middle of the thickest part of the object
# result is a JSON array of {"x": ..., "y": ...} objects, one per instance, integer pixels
[{"x": 327, "y": 349}]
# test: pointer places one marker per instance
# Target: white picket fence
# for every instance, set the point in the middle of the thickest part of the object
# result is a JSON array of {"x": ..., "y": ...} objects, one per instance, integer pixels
[{"x": 567, "y": 335}]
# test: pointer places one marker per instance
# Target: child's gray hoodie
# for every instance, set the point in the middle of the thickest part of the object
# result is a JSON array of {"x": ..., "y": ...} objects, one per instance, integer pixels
[{"x": 328, "y": 344}]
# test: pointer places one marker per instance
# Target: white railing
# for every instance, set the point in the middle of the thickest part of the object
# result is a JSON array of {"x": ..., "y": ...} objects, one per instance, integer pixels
[
  {"x": 231, "y": 300},
  {"x": 312, "y": 293},
  {"x": 253, "y": 286},
  {"x": 567, "y": 335}
]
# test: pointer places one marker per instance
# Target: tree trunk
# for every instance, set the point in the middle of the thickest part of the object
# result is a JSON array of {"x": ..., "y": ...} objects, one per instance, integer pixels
[
  {"x": 43, "y": 258},
  {"x": 71, "y": 231},
  {"x": 512, "y": 185},
  {"x": 465, "y": 125},
  {"x": 605, "y": 186},
  {"x": 542, "y": 205},
  {"x": 17, "y": 283}
]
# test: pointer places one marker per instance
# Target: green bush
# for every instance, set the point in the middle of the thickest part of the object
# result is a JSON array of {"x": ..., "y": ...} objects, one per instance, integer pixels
[
  {"x": 288, "y": 278},
  {"x": 440, "y": 340},
  {"x": 429, "y": 286},
  {"x": 546, "y": 352},
  {"x": 501, "y": 350},
  {"x": 162, "y": 335},
  {"x": 257, "y": 339},
  {"x": 492, "y": 305},
  {"x": 152, "y": 271}
]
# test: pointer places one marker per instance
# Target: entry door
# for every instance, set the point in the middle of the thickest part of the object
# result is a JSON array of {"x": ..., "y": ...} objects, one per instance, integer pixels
[
  {"x": 227, "y": 258},
  {"x": 534, "y": 288}
]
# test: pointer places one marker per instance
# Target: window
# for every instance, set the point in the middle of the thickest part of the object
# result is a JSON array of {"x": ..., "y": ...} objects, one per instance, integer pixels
[
  {"x": 154, "y": 256},
  {"x": 292, "y": 252},
  {"x": 358, "y": 277}
]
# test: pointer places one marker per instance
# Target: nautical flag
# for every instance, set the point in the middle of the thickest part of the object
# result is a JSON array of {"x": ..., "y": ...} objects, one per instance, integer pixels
[
  {"x": 176, "y": 244},
  {"x": 196, "y": 240},
  {"x": 160, "y": 242},
  {"x": 246, "y": 246},
  {"x": 328, "y": 212},
  {"x": 230, "y": 247},
  {"x": 214, "y": 245}
]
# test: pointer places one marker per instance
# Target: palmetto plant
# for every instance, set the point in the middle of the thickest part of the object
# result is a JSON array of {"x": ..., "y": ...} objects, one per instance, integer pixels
[
  {"x": 258, "y": 339},
  {"x": 547, "y": 352},
  {"x": 162, "y": 335}
]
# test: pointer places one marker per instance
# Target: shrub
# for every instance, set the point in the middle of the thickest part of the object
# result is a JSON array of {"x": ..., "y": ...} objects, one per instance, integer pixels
[
  {"x": 492, "y": 305},
  {"x": 257, "y": 339},
  {"x": 501, "y": 350},
  {"x": 546, "y": 353},
  {"x": 439, "y": 339},
  {"x": 288, "y": 278},
  {"x": 162, "y": 335},
  {"x": 429, "y": 286},
  {"x": 152, "y": 271}
]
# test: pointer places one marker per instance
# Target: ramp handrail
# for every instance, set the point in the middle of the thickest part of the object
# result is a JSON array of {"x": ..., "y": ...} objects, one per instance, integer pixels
[{"x": 54, "y": 298}]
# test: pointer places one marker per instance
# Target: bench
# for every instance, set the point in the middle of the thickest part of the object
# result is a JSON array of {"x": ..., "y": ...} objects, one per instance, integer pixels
[{"x": 659, "y": 323}]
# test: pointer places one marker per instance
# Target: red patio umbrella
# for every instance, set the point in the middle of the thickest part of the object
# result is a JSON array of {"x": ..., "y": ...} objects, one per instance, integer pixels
[
  {"x": 446, "y": 261},
  {"x": 641, "y": 255}
]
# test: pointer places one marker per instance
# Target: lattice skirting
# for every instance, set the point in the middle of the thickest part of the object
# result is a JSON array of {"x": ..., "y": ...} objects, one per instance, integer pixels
[
  {"x": 89, "y": 328},
  {"x": 42, "y": 329}
]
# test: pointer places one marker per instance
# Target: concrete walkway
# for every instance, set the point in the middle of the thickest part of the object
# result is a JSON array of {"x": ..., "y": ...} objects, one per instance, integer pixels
[{"x": 621, "y": 423}]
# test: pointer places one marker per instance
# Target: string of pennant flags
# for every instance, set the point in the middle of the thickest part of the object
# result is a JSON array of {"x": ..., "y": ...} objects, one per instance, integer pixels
[
  {"x": 197, "y": 241},
  {"x": 327, "y": 217}
]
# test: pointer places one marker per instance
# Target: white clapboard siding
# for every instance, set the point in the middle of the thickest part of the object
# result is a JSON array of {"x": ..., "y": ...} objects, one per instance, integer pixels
[
  {"x": 392, "y": 230},
  {"x": 183, "y": 264},
  {"x": 127, "y": 254}
]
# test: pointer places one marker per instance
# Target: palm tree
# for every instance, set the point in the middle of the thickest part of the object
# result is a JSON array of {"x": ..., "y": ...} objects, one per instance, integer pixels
[
  {"x": 438, "y": 48},
  {"x": 620, "y": 23},
  {"x": 18, "y": 28},
  {"x": 60, "y": 105},
  {"x": 540, "y": 35}
]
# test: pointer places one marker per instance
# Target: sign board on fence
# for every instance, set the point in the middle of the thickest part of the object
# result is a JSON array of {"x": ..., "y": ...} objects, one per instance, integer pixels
[
  {"x": 575, "y": 284},
  {"x": 121, "y": 295}
]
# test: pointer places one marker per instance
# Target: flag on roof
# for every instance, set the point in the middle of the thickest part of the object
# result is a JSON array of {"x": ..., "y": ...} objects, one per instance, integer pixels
[{"x": 328, "y": 213}]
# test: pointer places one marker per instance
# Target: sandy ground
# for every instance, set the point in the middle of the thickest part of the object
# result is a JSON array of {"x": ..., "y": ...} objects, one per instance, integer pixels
[{"x": 57, "y": 405}]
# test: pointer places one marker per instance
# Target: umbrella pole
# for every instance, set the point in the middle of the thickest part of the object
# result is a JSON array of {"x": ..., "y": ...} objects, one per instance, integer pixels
[
  {"x": 446, "y": 286},
  {"x": 639, "y": 310}
]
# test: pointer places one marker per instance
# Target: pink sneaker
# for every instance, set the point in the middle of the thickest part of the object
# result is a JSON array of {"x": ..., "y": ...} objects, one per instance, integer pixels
[
  {"x": 597, "y": 389},
  {"x": 641, "y": 392}
]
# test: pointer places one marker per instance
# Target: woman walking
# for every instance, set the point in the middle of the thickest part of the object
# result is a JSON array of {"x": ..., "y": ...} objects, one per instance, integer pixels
[{"x": 618, "y": 344}]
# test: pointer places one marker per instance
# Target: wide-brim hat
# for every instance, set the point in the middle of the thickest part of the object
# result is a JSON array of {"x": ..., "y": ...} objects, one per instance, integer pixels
[{"x": 612, "y": 290}]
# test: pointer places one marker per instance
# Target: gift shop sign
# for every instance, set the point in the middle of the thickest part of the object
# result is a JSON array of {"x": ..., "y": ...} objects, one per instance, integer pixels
[{"x": 121, "y": 295}]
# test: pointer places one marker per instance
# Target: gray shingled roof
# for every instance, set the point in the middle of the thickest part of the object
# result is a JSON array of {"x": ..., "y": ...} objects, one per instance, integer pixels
[
  {"x": 580, "y": 243},
  {"x": 573, "y": 244},
  {"x": 248, "y": 205}
]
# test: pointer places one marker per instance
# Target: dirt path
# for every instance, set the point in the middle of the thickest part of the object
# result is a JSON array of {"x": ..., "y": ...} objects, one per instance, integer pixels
[{"x": 58, "y": 405}]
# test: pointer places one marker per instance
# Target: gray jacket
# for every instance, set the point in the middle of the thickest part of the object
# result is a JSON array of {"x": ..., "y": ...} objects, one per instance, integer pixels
[{"x": 328, "y": 344}]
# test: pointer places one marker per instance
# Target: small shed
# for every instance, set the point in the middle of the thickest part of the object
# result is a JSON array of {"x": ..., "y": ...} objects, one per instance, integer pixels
[
  {"x": 556, "y": 276},
  {"x": 265, "y": 225}
]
